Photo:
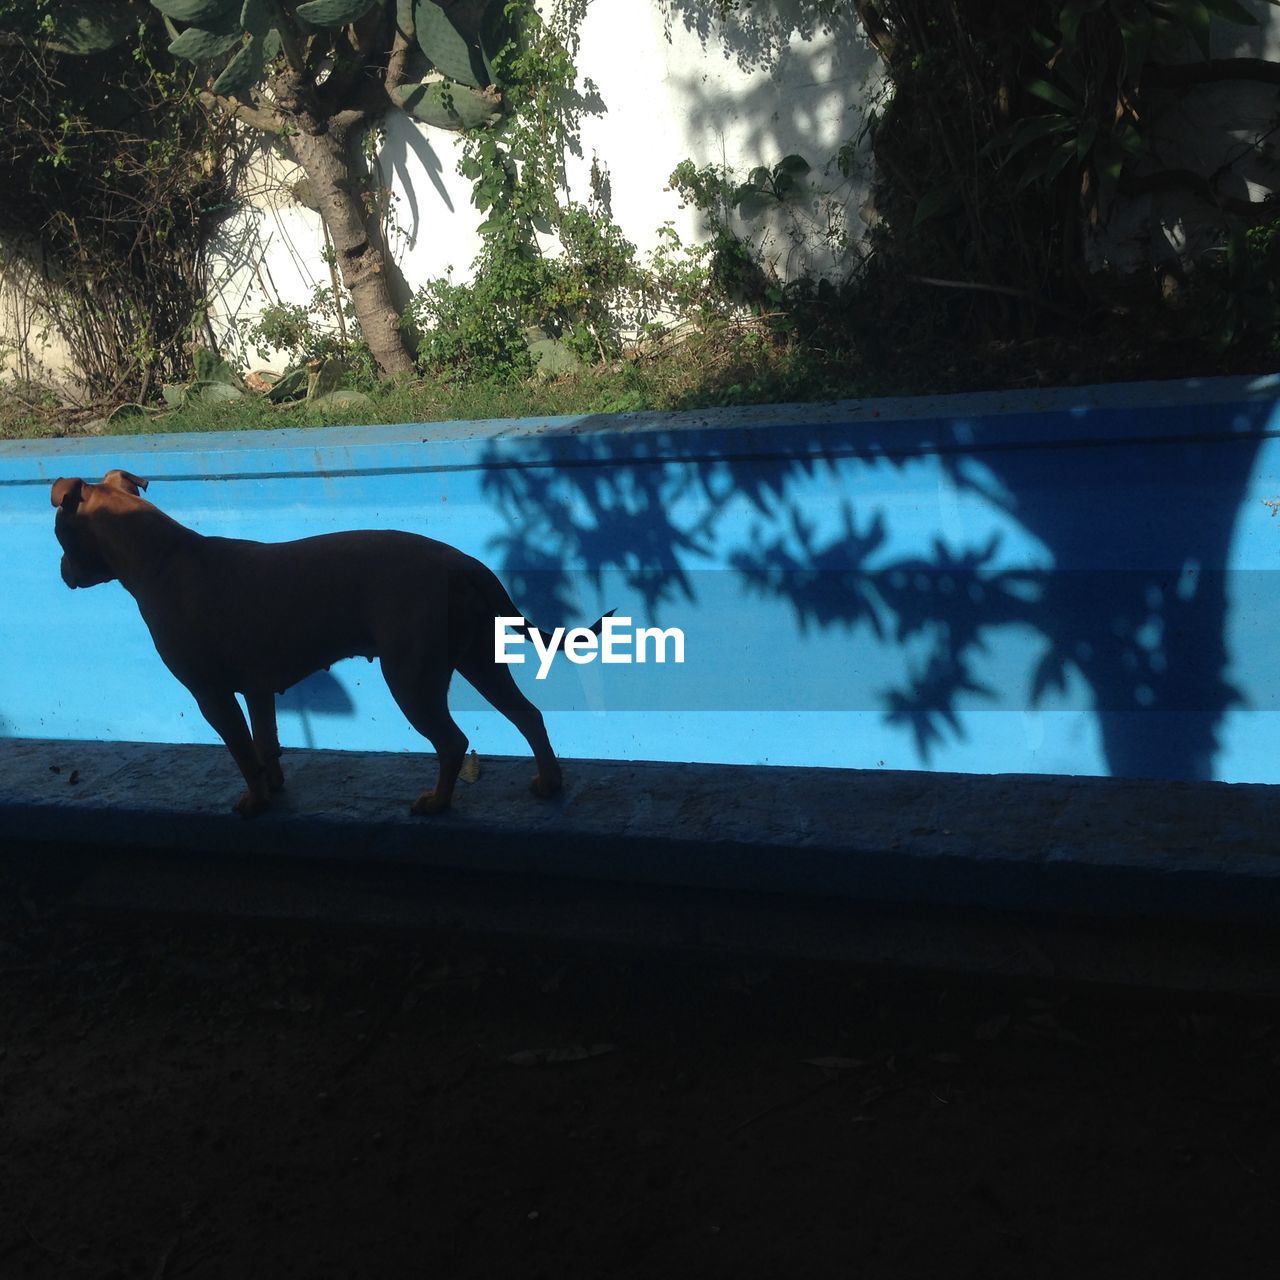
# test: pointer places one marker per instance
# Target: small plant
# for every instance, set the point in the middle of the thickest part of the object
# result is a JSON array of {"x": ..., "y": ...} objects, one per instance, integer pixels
[
  {"x": 1240, "y": 294},
  {"x": 733, "y": 264},
  {"x": 324, "y": 329},
  {"x": 469, "y": 331}
]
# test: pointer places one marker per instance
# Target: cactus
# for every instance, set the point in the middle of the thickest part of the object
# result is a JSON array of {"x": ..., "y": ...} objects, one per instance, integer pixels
[
  {"x": 203, "y": 13},
  {"x": 246, "y": 29},
  {"x": 453, "y": 54},
  {"x": 244, "y": 70},
  {"x": 258, "y": 16},
  {"x": 334, "y": 13},
  {"x": 199, "y": 45},
  {"x": 449, "y": 106}
]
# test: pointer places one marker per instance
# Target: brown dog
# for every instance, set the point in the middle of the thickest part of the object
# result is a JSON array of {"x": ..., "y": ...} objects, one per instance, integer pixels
[{"x": 230, "y": 616}]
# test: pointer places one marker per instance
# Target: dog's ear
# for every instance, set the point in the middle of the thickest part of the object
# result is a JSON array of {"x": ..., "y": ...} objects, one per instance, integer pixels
[
  {"x": 125, "y": 480},
  {"x": 67, "y": 493}
]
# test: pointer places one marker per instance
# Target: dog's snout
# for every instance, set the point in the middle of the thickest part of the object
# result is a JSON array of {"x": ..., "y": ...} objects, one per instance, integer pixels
[{"x": 68, "y": 574}]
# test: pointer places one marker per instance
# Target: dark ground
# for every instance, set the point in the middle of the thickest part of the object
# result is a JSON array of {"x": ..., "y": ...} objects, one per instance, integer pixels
[{"x": 189, "y": 1098}]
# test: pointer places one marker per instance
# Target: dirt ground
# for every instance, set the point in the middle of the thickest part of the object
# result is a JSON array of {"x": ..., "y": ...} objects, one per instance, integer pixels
[{"x": 187, "y": 1098}]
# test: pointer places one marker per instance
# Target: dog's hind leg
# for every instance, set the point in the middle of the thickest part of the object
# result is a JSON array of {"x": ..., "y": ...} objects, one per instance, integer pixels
[
  {"x": 266, "y": 741},
  {"x": 496, "y": 683},
  {"x": 223, "y": 712},
  {"x": 421, "y": 690}
]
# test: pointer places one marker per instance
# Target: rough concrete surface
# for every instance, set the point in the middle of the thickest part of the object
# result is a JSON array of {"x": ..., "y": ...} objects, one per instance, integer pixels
[{"x": 1092, "y": 847}]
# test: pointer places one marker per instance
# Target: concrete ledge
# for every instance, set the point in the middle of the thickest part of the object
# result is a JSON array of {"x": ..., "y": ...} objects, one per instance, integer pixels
[{"x": 1085, "y": 847}]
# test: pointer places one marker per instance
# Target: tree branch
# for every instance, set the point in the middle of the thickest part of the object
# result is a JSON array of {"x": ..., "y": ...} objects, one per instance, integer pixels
[
  {"x": 882, "y": 39},
  {"x": 291, "y": 41},
  {"x": 1254, "y": 212},
  {"x": 1214, "y": 71},
  {"x": 257, "y": 116},
  {"x": 402, "y": 47},
  {"x": 1008, "y": 291},
  {"x": 342, "y": 122}
]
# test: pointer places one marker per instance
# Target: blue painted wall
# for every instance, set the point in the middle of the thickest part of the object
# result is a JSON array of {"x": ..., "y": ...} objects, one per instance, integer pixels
[{"x": 1062, "y": 582}]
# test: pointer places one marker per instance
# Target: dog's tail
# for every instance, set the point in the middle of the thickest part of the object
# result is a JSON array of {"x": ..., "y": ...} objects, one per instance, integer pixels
[{"x": 505, "y": 607}]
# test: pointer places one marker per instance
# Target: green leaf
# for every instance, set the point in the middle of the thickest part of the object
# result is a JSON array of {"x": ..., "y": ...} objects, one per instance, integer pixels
[
  {"x": 342, "y": 398},
  {"x": 243, "y": 71},
  {"x": 207, "y": 367},
  {"x": 204, "y": 13},
  {"x": 751, "y": 201},
  {"x": 1059, "y": 159},
  {"x": 1070, "y": 18},
  {"x": 258, "y": 16},
  {"x": 1198, "y": 21},
  {"x": 449, "y": 106},
  {"x": 84, "y": 27},
  {"x": 199, "y": 45},
  {"x": 214, "y": 391},
  {"x": 292, "y": 385},
  {"x": 1044, "y": 43},
  {"x": 333, "y": 13},
  {"x": 793, "y": 165},
  {"x": 1047, "y": 167},
  {"x": 1025, "y": 132},
  {"x": 450, "y": 52},
  {"x": 1049, "y": 93}
]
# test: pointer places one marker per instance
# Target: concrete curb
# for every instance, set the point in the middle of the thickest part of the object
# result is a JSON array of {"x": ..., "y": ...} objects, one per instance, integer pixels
[{"x": 1086, "y": 847}]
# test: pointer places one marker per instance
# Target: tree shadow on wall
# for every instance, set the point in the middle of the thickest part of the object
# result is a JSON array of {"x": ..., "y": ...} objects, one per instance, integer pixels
[
  {"x": 1129, "y": 593},
  {"x": 760, "y": 36}
]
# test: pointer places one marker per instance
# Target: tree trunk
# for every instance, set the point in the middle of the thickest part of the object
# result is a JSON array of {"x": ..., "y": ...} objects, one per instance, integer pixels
[{"x": 320, "y": 147}]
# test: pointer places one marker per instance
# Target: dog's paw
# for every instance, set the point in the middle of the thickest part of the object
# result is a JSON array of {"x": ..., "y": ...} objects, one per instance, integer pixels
[
  {"x": 428, "y": 803},
  {"x": 545, "y": 788},
  {"x": 251, "y": 804}
]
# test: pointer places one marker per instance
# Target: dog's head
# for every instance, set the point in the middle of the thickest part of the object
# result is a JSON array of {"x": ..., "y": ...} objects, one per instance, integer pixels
[{"x": 80, "y": 506}]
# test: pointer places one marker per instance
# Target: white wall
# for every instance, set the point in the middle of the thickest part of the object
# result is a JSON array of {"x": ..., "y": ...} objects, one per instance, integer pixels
[{"x": 672, "y": 87}]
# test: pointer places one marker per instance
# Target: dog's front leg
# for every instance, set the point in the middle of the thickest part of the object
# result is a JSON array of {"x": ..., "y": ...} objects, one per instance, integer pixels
[
  {"x": 266, "y": 742},
  {"x": 222, "y": 711}
]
